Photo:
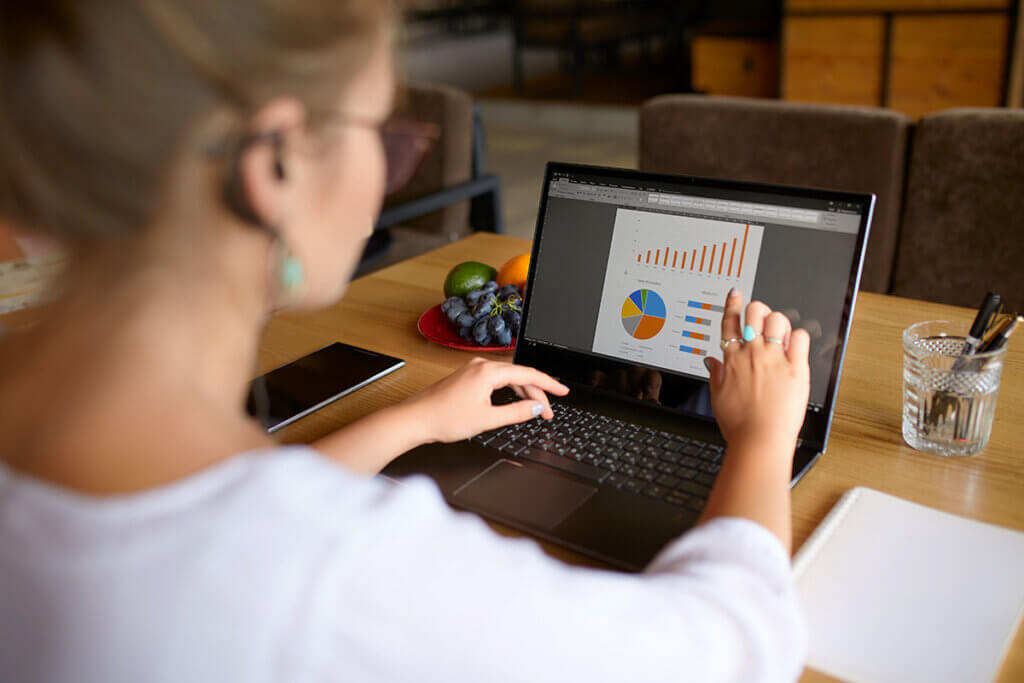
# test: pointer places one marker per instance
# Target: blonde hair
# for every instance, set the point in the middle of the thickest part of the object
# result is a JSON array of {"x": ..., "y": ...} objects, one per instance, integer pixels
[{"x": 97, "y": 95}]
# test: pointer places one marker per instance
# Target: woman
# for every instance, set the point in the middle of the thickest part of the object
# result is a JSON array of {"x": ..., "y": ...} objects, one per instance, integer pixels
[{"x": 207, "y": 163}]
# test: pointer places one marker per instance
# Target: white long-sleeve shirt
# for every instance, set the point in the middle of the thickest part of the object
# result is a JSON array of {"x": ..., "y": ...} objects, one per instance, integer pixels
[{"x": 283, "y": 566}]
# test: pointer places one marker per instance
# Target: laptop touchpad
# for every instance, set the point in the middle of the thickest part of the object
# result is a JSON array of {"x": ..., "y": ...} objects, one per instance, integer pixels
[{"x": 532, "y": 495}]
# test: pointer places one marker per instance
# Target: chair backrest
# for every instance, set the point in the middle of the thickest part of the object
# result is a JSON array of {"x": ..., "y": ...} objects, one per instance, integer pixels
[
  {"x": 449, "y": 162},
  {"x": 963, "y": 231},
  {"x": 855, "y": 149}
]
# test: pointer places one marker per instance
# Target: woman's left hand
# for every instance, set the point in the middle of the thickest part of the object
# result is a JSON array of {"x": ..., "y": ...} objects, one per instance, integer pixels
[{"x": 459, "y": 406}]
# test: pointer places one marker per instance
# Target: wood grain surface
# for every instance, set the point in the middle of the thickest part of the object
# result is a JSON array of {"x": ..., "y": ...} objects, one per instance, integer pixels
[{"x": 833, "y": 59}]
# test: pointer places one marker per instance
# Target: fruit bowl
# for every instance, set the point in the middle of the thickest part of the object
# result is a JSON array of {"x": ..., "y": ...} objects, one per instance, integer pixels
[{"x": 435, "y": 326}]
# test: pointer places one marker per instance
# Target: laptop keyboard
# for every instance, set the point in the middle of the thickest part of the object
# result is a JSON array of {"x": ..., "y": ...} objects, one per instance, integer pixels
[{"x": 624, "y": 455}]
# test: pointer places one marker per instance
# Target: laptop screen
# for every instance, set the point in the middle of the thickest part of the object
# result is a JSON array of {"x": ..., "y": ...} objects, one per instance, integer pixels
[{"x": 631, "y": 270}]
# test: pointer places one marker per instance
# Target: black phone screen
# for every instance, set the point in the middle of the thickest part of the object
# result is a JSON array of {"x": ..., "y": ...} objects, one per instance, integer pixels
[{"x": 294, "y": 390}]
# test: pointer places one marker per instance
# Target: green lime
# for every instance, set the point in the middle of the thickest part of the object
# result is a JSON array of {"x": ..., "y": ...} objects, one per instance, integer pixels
[{"x": 467, "y": 276}]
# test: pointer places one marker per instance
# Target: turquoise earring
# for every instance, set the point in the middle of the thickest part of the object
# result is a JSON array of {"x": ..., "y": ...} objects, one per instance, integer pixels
[{"x": 292, "y": 273}]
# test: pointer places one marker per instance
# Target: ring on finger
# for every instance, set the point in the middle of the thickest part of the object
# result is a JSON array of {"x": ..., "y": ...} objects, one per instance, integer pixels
[
  {"x": 773, "y": 340},
  {"x": 749, "y": 333},
  {"x": 725, "y": 342}
]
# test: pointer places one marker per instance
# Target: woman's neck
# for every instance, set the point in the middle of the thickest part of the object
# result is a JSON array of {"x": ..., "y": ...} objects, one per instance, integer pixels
[{"x": 139, "y": 374}]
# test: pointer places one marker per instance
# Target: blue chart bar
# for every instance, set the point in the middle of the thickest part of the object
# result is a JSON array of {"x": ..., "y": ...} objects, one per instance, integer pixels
[
  {"x": 695, "y": 335},
  {"x": 690, "y": 349},
  {"x": 698, "y": 321},
  {"x": 700, "y": 305}
]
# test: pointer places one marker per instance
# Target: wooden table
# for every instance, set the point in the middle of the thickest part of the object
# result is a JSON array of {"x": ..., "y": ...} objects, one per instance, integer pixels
[{"x": 380, "y": 312}]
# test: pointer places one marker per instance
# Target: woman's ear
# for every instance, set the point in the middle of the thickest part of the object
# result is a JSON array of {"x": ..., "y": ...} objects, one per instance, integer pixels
[{"x": 263, "y": 164}]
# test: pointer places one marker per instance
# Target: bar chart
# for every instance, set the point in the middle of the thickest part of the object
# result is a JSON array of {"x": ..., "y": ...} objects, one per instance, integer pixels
[{"x": 723, "y": 259}]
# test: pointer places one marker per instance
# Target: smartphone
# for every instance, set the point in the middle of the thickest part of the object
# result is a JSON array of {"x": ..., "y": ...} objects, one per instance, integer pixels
[{"x": 295, "y": 390}]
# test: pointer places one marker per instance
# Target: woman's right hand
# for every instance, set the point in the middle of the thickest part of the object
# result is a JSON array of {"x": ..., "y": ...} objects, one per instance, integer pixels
[{"x": 761, "y": 388}]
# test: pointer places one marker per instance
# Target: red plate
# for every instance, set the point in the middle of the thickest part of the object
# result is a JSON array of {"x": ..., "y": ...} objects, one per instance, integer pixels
[{"x": 435, "y": 326}]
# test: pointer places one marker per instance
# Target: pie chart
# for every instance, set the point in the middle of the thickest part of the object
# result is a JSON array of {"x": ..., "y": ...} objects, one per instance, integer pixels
[{"x": 643, "y": 314}]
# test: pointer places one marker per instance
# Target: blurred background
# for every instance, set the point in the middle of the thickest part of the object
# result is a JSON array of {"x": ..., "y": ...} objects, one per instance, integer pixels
[
  {"x": 563, "y": 79},
  {"x": 846, "y": 94}
]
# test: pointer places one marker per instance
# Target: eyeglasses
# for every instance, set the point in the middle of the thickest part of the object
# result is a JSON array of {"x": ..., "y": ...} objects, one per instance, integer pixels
[{"x": 405, "y": 141}]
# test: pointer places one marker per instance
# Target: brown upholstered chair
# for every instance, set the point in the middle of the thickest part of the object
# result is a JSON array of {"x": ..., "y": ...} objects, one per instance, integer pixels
[
  {"x": 855, "y": 149},
  {"x": 450, "y": 195},
  {"x": 962, "y": 232}
]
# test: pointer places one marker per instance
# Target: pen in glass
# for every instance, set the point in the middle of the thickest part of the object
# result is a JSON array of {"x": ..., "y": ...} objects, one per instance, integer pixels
[
  {"x": 981, "y": 321},
  {"x": 999, "y": 341}
]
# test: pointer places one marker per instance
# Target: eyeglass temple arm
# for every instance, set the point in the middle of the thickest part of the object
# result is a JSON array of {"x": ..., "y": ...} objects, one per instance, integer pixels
[{"x": 484, "y": 189}]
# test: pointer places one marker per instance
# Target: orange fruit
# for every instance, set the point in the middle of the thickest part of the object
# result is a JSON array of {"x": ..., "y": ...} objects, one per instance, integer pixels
[{"x": 515, "y": 271}]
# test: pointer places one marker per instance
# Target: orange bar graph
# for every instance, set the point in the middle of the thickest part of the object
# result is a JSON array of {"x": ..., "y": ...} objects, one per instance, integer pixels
[
  {"x": 739, "y": 269},
  {"x": 715, "y": 261}
]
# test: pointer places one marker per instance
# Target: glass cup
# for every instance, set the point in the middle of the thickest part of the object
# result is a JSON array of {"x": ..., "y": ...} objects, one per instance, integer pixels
[{"x": 949, "y": 400}]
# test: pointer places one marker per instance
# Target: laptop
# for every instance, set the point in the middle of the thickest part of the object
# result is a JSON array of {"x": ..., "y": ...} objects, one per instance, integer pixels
[{"x": 628, "y": 277}]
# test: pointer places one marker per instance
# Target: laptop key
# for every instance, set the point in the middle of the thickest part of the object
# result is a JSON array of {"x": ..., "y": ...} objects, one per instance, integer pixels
[
  {"x": 693, "y": 487},
  {"x": 676, "y": 498},
  {"x": 705, "y": 479},
  {"x": 669, "y": 456},
  {"x": 666, "y": 468},
  {"x": 579, "y": 468},
  {"x": 646, "y": 475},
  {"x": 689, "y": 461},
  {"x": 667, "y": 480},
  {"x": 483, "y": 439},
  {"x": 513, "y": 447},
  {"x": 634, "y": 485},
  {"x": 651, "y": 452},
  {"x": 616, "y": 480},
  {"x": 686, "y": 473},
  {"x": 498, "y": 443}
]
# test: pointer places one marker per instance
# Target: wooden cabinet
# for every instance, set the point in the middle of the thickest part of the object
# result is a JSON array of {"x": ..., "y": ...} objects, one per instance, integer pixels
[
  {"x": 833, "y": 59},
  {"x": 736, "y": 66},
  {"x": 916, "y": 56}
]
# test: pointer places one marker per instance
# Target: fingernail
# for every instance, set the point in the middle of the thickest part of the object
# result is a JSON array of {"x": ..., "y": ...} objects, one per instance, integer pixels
[
  {"x": 733, "y": 292},
  {"x": 538, "y": 408},
  {"x": 707, "y": 364}
]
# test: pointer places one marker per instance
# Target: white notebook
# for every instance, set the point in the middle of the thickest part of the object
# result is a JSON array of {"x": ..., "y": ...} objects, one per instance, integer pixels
[{"x": 896, "y": 591}]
